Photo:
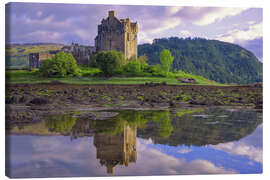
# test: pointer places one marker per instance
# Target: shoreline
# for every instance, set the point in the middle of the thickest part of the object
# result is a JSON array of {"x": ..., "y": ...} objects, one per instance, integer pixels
[{"x": 27, "y": 102}]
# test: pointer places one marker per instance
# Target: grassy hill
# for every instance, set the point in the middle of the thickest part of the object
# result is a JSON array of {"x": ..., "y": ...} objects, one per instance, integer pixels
[
  {"x": 219, "y": 61},
  {"x": 17, "y": 54}
]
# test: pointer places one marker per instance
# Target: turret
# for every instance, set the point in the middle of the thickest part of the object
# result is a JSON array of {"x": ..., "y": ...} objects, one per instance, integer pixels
[
  {"x": 72, "y": 46},
  {"x": 111, "y": 14}
]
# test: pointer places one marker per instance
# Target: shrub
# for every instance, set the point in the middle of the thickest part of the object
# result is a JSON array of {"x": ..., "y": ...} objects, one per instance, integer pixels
[
  {"x": 133, "y": 66},
  {"x": 110, "y": 62},
  {"x": 61, "y": 65},
  {"x": 158, "y": 70},
  {"x": 89, "y": 71}
]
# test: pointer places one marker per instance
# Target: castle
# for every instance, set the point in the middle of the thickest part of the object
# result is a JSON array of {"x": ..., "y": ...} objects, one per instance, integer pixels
[
  {"x": 119, "y": 35},
  {"x": 113, "y": 34}
]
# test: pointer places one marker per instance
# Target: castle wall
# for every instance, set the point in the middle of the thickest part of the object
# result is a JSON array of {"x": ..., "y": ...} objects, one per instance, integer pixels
[
  {"x": 35, "y": 59},
  {"x": 82, "y": 54}
]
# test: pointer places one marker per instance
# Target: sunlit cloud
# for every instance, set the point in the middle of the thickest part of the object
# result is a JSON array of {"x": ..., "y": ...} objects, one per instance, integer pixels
[
  {"x": 173, "y": 10},
  {"x": 185, "y": 33},
  {"x": 254, "y": 31},
  {"x": 216, "y": 14},
  {"x": 243, "y": 149},
  {"x": 184, "y": 150}
]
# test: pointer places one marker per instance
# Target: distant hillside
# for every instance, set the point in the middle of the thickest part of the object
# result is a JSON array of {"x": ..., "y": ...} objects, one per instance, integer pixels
[
  {"x": 215, "y": 60},
  {"x": 17, "y": 54},
  {"x": 25, "y": 49}
]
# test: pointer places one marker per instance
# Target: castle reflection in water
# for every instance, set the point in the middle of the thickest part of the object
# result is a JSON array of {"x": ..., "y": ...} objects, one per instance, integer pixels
[{"x": 118, "y": 149}]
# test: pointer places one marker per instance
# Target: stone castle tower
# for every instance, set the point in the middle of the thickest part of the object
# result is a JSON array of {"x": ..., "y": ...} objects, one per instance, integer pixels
[{"x": 119, "y": 35}]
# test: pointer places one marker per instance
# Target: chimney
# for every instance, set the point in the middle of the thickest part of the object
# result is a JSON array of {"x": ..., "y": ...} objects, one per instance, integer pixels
[{"x": 111, "y": 14}]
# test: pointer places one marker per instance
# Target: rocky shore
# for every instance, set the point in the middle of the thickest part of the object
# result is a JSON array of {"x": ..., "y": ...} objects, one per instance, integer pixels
[{"x": 25, "y": 102}]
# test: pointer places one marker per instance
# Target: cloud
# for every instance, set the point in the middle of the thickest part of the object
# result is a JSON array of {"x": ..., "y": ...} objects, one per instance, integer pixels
[
  {"x": 78, "y": 22},
  {"x": 204, "y": 167},
  {"x": 251, "y": 22},
  {"x": 161, "y": 163},
  {"x": 166, "y": 24},
  {"x": 184, "y": 150},
  {"x": 250, "y": 38},
  {"x": 173, "y": 10},
  {"x": 254, "y": 31},
  {"x": 44, "y": 36},
  {"x": 243, "y": 149},
  {"x": 83, "y": 34},
  {"x": 56, "y": 156},
  {"x": 217, "y": 14},
  {"x": 39, "y": 13},
  {"x": 207, "y": 15},
  {"x": 185, "y": 33},
  {"x": 250, "y": 146},
  {"x": 144, "y": 38}
]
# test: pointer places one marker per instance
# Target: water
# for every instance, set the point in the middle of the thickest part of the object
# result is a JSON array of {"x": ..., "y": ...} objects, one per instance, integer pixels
[{"x": 197, "y": 141}]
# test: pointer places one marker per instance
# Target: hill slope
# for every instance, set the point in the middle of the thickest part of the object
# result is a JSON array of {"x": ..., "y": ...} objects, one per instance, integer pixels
[
  {"x": 215, "y": 60},
  {"x": 17, "y": 54}
]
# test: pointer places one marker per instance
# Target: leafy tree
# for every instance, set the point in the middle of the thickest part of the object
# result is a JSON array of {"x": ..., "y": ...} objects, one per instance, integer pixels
[
  {"x": 60, "y": 65},
  {"x": 166, "y": 59},
  {"x": 110, "y": 62}
]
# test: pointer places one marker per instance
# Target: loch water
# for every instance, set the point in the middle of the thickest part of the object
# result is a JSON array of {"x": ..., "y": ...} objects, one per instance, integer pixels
[{"x": 137, "y": 142}]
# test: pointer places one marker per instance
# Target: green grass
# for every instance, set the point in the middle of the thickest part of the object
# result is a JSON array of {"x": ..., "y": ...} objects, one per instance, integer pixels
[
  {"x": 31, "y": 77},
  {"x": 200, "y": 79}
]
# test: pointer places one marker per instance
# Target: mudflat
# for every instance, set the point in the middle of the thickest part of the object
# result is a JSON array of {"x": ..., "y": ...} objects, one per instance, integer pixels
[{"x": 51, "y": 96}]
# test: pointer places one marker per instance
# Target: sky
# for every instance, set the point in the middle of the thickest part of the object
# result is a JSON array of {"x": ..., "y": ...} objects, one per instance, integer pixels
[{"x": 64, "y": 23}]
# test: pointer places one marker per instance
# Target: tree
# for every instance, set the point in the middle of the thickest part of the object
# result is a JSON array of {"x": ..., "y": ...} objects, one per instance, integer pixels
[
  {"x": 60, "y": 65},
  {"x": 166, "y": 60},
  {"x": 133, "y": 66},
  {"x": 109, "y": 62}
]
